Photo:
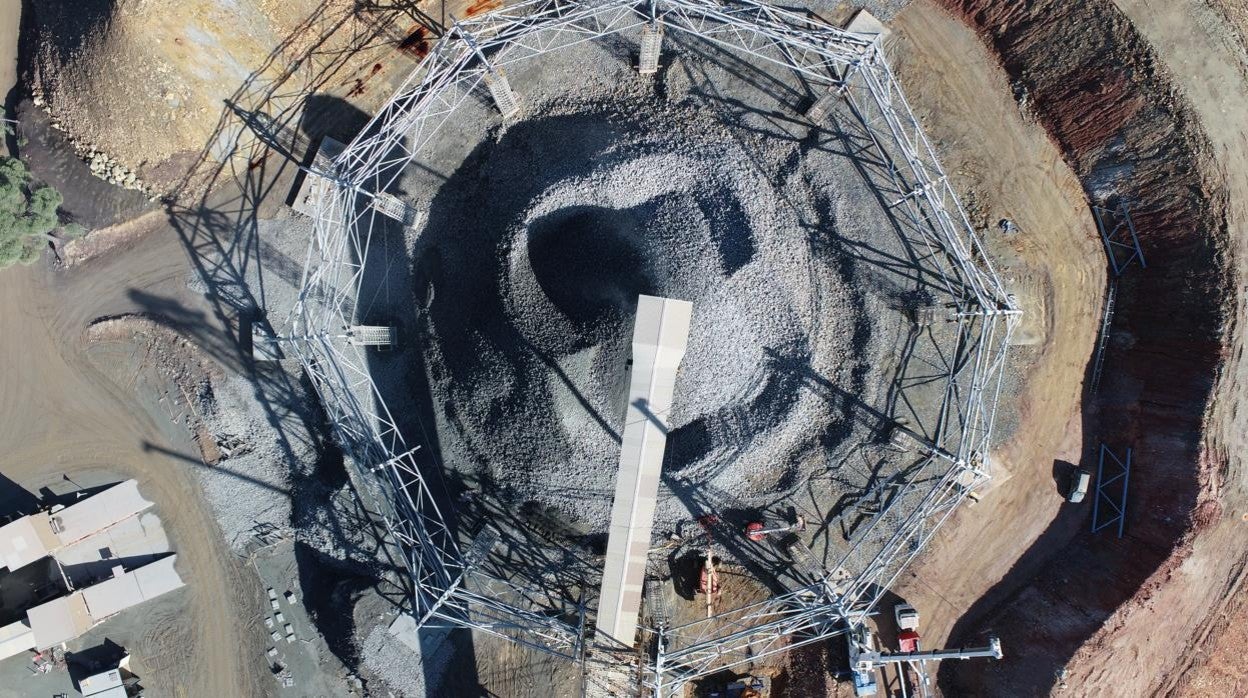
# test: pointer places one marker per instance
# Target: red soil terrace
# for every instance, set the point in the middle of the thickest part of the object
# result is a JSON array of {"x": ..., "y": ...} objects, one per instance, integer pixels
[{"x": 1095, "y": 86}]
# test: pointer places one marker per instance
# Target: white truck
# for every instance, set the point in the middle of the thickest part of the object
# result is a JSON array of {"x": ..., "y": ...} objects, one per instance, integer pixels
[{"x": 907, "y": 616}]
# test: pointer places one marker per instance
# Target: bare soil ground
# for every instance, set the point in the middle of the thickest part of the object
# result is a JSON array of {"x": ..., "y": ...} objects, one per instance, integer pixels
[
  {"x": 145, "y": 81},
  {"x": 10, "y": 16},
  {"x": 61, "y": 414},
  {"x": 1116, "y": 616},
  {"x": 1008, "y": 168},
  {"x": 1202, "y": 44},
  {"x": 1169, "y": 598},
  {"x": 141, "y": 86}
]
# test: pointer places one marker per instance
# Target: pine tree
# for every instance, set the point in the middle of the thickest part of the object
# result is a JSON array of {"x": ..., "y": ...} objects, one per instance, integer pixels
[{"x": 27, "y": 215}]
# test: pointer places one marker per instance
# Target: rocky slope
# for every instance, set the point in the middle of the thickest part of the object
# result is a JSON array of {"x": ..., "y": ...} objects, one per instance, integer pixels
[{"x": 141, "y": 86}]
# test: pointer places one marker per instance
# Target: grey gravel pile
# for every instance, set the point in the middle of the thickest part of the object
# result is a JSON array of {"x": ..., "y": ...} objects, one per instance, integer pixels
[
  {"x": 403, "y": 670},
  {"x": 539, "y": 241},
  {"x": 250, "y": 489},
  {"x": 884, "y": 10}
]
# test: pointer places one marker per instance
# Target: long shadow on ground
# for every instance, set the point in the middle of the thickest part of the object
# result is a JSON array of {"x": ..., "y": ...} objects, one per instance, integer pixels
[{"x": 1165, "y": 345}]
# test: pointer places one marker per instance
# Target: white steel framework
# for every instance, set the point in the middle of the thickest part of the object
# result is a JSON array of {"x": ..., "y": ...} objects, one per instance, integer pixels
[{"x": 454, "y": 586}]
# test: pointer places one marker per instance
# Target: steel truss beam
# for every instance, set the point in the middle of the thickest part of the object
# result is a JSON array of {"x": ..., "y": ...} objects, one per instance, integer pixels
[
  {"x": 451, "y": 590},
  {"x": 1122, "y": 245},
  {"x": 1111, "y": 490}
]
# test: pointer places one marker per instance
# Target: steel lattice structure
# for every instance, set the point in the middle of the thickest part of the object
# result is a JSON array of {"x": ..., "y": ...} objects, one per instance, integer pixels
[{"x": 450, "y": 581}]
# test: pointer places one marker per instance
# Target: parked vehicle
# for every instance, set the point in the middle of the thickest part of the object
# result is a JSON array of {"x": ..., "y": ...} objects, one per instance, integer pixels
[
  {"x": 907, "y": 616},
  {"x": 1080, "y": 479}
]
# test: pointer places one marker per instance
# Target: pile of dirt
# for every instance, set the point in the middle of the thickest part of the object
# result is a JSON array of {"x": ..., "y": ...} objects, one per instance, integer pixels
[
  {"x": 138, "y": 86},
  {"x": 1131, "y": 138},
  {"x": 89, "y": 201}
]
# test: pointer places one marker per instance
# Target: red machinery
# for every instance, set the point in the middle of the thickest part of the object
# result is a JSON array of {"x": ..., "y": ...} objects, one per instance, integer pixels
[
  {"x": 757, "y": 531},
  {"x": 908, "y": 641}
]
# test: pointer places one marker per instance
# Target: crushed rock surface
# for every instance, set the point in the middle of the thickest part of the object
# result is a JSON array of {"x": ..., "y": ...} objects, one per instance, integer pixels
[{"x": 541, "y": 234}]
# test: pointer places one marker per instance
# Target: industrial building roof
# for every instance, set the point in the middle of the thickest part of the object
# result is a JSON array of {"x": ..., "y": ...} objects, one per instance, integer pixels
[
  {"x": 95, "y": 513},
  {"x": 36, "y": 536},
  {"x": 16, "y": 638},
  {"x": 83, "y": 537},
  {"x": 106, "y": 685},
  {"x": 59, "y": 620},
  {"x": 660, "y": 336},
  {"x": 63, "y": 619},
  {"x": 26, "y": 540},
  {"x": 131, "y": 588},
  {"x": 135, "y": 539}
]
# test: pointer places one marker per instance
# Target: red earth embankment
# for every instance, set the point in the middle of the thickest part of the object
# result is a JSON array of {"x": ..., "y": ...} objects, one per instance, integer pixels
[{"x": 1094, "y": 84}]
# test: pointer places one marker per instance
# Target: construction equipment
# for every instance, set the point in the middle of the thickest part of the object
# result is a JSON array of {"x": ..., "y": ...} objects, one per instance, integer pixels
[
  {"x": 757, "y": 530},
  {"x": 869, "y": 660},
  {"x": 860, "y": 641},
  {"x": 907, "y": 616},
  {"x": 907, "y": 619},
  {"x": 865, "y": 658},
  {"x": 743, "y": 687}
]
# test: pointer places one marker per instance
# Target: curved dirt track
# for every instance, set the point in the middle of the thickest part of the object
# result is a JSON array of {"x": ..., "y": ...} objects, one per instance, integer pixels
[
  {"x": 1090, "y": 605},
  {"x": 1203, "y": 46},
  {"x": 1006, "y": 166},
  {"x": 59, "y": 414}
]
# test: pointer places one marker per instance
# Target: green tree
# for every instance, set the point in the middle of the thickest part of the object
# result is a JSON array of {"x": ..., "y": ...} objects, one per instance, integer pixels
[{"x": 27, "y": 214}]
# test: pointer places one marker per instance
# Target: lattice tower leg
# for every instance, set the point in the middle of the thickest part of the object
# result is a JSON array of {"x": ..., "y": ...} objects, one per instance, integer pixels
[
  {"x": 819, "y": 110},
  {"x": 508, "y": 102},
  {"x": 651, "y": 48}
]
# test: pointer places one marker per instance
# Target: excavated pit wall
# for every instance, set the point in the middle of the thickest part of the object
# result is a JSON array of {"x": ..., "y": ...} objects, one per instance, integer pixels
[{"x": 1094, "y": 84}]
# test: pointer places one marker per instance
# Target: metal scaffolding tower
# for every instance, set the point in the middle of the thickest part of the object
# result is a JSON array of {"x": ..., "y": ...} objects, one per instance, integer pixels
[
  {"x": 1122, "y": 249},
  {"x": 454, "y": 584},
  {"x": 1102, "y": 340},
  {"x": 507, "y": 101},
  {"x": 1118, "y": 233}
]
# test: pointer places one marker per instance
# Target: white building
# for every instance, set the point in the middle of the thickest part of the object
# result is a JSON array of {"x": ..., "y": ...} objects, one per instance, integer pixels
[{"x": 85, "y": 540}]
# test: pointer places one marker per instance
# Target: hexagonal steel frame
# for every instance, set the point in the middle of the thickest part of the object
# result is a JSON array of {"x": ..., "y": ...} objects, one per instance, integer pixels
[{"x": 448, "y": 586}]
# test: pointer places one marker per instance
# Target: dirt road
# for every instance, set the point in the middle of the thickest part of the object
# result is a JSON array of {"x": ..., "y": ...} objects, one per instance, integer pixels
[
  {"x": 1099, "y": 614},
  {"x": 1056, "y": 267},
  {"x": 60, "y": 414}
]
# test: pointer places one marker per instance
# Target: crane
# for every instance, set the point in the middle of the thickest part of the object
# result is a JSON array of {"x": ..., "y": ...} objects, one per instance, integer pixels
[
  {"x": 864, "y": 658},
  {"x": 869, "y": 660}
]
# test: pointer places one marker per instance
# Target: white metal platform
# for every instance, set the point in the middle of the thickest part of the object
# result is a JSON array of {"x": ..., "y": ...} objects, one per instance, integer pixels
[{"x": 659, "y": 339}]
